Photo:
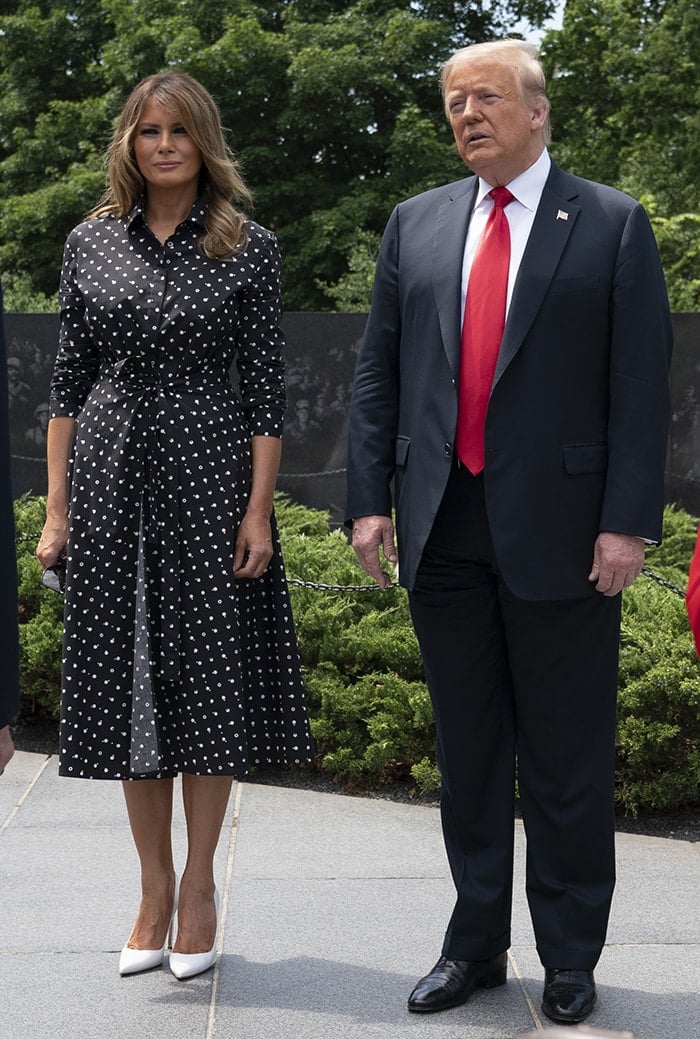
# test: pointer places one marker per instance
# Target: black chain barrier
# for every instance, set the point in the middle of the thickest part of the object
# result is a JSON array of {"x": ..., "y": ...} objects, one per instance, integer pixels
[
  {"x": 321, "y": 587},
  {"x": 282, "y": 476},
  {"x": 306, "y": 476},
  {"x": 340, "y": 587},
  {"x": 663, "y": 582}
]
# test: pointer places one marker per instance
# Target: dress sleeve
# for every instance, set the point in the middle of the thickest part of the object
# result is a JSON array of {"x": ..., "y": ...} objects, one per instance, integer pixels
[
  {"x": 77, "y": 360},
  {"x": 693, "y": 594},
  {"x": 261, "y": 340}
]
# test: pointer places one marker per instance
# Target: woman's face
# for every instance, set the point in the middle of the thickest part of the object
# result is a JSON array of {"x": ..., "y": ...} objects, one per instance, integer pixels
[{"x": 167, "y": 157}]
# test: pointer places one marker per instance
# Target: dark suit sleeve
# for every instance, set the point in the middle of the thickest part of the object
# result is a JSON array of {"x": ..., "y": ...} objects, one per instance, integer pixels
[
  {"x": 641, "y": 344},
  {"x": 374, "y": 406},
  {"x": 9, "y": 647}
]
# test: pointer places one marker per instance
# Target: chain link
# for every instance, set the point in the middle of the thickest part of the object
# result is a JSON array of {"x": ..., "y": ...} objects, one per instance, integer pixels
[
  {"x": 305, "y": 476},
  {"x": 663, "y": 582},
  {"x": 339, "y": 587},
  {"x": 321, "y": 587}
]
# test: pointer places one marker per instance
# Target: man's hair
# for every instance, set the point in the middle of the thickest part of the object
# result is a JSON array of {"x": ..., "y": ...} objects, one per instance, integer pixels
[
  {"x": 521, "y": 56},
  {"x": 220, "y": 178}
]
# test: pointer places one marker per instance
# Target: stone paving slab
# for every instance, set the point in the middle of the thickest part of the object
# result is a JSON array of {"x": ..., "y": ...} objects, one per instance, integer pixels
[
  {"x": 81, "y": 996},
  {"x": 333, "y": 906},
  {"x": 648, "y": 990}
]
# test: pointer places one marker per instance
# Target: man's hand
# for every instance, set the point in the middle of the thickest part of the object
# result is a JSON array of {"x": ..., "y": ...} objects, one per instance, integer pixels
[
  {"x": 369, "y": 534},
  {"x": 7, "y": 747},
  {"x": 617, "y": 561}
]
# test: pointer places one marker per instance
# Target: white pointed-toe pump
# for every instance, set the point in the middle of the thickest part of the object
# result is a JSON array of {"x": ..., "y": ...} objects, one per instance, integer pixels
[
  {"x": 134, "y": 961},
  {"x": 187, "y": 965}
]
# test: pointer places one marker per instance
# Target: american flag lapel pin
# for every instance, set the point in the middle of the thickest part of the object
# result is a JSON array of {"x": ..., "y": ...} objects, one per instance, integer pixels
[{"x": 561, "y": 215}]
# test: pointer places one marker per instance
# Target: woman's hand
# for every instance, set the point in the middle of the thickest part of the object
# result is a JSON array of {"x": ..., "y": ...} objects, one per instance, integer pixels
[
  {"x": 53, "y": 542},
  {"x": 253, "y": 549}
]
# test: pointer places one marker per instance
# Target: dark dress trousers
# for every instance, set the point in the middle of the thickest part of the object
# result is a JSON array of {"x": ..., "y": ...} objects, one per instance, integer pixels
[
  {"x": 520, "y": 651},
  {"x": 9, "y": 649}
]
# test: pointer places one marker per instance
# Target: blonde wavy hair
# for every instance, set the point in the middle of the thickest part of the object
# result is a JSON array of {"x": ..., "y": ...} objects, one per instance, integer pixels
[{"x": 220, "y": 178}]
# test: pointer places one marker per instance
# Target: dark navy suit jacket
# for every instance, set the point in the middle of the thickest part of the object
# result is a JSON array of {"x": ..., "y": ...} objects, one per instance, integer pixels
[
  {"x": 9, "y": 651},
  {"x": 578, "y": 417}
]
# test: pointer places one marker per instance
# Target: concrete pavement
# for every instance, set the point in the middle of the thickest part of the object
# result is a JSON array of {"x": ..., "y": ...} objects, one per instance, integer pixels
[{"x": 332, "y": 907}]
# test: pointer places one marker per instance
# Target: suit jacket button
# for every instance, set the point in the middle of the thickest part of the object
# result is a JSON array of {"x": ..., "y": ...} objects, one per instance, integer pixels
[{"x": 448, "y": 450}]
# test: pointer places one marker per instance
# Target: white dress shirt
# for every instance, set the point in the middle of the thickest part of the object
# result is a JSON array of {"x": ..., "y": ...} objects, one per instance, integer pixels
[{"x": 527, "y": 190}]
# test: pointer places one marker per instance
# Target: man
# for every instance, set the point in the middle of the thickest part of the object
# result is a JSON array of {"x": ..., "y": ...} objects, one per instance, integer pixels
[
  {"x": 527, "y": 478},
  {"x": 9, "y": 652}
]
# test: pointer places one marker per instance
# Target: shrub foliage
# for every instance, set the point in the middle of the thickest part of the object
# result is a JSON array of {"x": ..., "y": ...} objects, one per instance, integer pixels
[
  {"x": 370, "y": 710},
  {"x": 658, "y": 733},
  {"x": 40, "y": 619}
]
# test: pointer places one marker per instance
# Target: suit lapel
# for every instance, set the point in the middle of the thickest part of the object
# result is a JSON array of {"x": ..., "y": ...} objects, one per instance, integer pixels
[
  {"x": 448, "y": 253},
  {"x": 554, "y": 221}
]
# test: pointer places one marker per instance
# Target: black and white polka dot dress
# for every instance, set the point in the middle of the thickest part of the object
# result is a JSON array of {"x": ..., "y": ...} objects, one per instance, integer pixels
[{"x": 169, "y": 664}]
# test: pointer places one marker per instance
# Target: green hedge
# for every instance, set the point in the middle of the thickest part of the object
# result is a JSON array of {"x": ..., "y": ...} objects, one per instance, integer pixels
[
  {"x": 40, "y": 620},
  {"x": 658, "y": 733},
  {"x": 370, "y": 710}
]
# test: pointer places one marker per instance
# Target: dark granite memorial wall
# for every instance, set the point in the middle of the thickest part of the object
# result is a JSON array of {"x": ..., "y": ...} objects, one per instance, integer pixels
[
  {"x": 30, "y": 341},
  {"x": 321, "y": 352},
  {"x": 320, "y": 360}
]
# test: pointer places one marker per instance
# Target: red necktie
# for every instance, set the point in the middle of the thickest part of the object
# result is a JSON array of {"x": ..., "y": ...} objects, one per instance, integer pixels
[{"x": 482, "y": 331}]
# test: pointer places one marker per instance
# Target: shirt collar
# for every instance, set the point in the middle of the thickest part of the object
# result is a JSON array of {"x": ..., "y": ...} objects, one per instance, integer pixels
[
  {"x": 136, "y": 214},
  {"x": 527, "y": 187},
  {"x": 197, "y": 213}
]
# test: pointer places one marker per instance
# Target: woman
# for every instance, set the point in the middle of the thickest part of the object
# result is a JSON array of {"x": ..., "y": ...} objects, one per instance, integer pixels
[
  {"x": 179, "y": 647},
  {"x": 693, "y": 594}
]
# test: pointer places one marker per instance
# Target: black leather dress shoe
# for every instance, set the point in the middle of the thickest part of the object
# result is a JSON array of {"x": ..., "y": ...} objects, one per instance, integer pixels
[
  {"x": 451, "y": 983},
  {"x": 569, "y": 995}
]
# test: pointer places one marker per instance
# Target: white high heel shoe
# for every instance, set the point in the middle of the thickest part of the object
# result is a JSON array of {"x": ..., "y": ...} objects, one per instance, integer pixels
[
  {"x": 134, "y": 961},
  {"x": 186, "y": 965}
]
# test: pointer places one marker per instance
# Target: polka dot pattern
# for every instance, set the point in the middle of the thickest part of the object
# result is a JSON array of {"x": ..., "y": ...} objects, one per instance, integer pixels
[{"x": 169, "y": 664}]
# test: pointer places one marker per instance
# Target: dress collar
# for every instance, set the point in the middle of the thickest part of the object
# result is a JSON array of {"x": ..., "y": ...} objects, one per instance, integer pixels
[{"x": 196, "y": 217}]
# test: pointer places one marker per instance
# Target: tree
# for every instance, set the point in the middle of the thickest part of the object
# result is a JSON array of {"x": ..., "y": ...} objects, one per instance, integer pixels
[
  {"x": 333, "y": 109},
  {"x": 678, "y": 238},
  {"x": 626, "y": 111}
]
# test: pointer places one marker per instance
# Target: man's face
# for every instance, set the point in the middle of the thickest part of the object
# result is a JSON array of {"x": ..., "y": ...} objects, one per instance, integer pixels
[{"x": 497, "y": 129}]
